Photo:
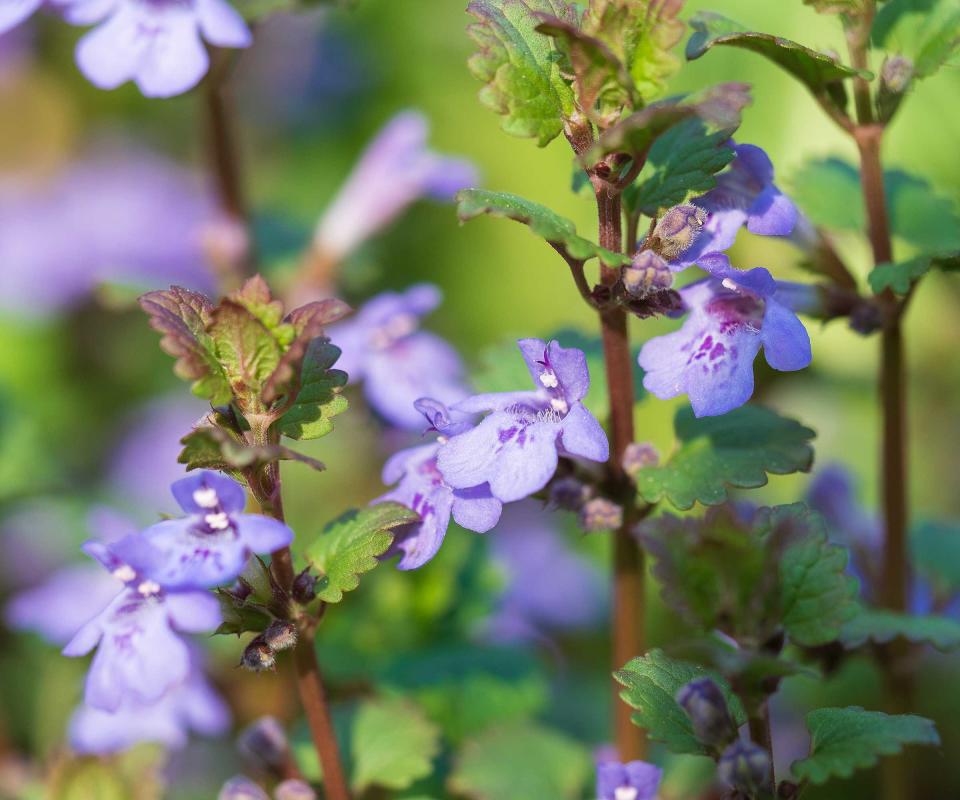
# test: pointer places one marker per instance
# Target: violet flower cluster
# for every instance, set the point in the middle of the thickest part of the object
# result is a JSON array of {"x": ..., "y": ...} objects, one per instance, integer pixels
[
  {"x": 145, "y": 681},
  {"x": 473, "y": 467},
  {"x": 635, "y": 780},
  {"x": 732, "y": 313},
  {"x": 160, "y": 45}
]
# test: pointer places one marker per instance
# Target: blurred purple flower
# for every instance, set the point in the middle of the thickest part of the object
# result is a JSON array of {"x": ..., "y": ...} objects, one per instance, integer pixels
[
  {"x": 13, "y": 12},
  {"x": 745, "y": 194},
  {"x": 242, "y": 788},
  {"x": 125, "y": 217},
  {"x": 139, "y": 655},
  {"x": 144, "y": 462},
  {"x": 732, "y": 315},
  {"x": 395, "y": 170},
  {"x": 398, "y": 363},
  {"x": 211, "y": 546},
  {"x": 516, "y": 447},
  {"x": 635, "y": 780},
  {"x": 549, "y": 586},
  {"x": 156, "y": 44},
  {"x": 421, "y": 488},
  {"x": 193, "y": 705}
]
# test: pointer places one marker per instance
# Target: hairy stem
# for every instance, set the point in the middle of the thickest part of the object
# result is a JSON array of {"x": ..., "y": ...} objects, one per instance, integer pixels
[
  {"x": 232, "y": 264},
  {"x": 313, "y": 697},
  {"x": 628, "y": 572}
]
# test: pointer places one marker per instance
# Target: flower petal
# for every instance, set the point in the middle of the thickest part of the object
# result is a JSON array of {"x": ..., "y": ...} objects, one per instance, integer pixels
[
  {"x": 175, "y": 59},
  {"x": 476, "y": 509},
  {"x": 582, "y": 435},
  {"x": 786, "y": 343},
  {"x": 230, "y": 495},
  {"x": 13, "y": 12},
  {"x": 772, "y": 213},
  {"x": 193, "y": 612},
  {"x": 262, "y": 534},
  {"x": 110, "y": 54},
  {"x": 221, "y": 24}
]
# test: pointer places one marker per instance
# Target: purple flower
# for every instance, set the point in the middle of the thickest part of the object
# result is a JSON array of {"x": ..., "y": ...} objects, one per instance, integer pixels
[
  {"x": 139, "y": 655},
  {"x": 745, "y": 194},
  {"x": 157, "y": 44},
  {"x": 120, "y": 217},
  {"x": 548, "y": 585},
  {"x": 399, "y": 363},
  {"x": 240, "y": 787},
  {"x": 13, "y": 12},
  {"x": 421, "y": 487},
  {"x": 732, "y": 315},
  {"x": 516, "y": 447},
  {"x": 211, "y": 546},
  {"x": 635, "y": 780},
  {"x": 395, "y": 170},
  {"x": 193, "y": 705}
]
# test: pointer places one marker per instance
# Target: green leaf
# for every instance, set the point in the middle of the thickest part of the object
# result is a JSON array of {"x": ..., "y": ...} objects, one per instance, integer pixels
[
  {"x": 819, "y": 72},
  {"x": 349, "y": 546},
  {"x": 737, "y": 449},
  {"x": 214, "y": 448},
  {"x": 882, "y": 626},
  {"x": 559, "y": 232},
  {"x": 246, "y": 349},
  {"x": 844, "y": 740},
  {"x": 319, "y": 398},
  {"x": 935, "y": 547},
  {"x": 650, "y": 685},
  {"x": 829, "y": 192},
  {"x": 817, "y": 597},
  {"x": 392, "y": 745},
  {"x": 898, "y": 277},
  {"x": 926, "y": 31},
  {"x": 682, "y": 162},
  {"x": 240, "y": 617},
  {"x": 520, "y": 762},
  {"x": 182, "y": 317},
  {"x": 520, "y": 67}
]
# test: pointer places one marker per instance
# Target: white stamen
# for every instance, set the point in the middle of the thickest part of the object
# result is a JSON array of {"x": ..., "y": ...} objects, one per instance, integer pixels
[
  {"x": 218, "y": 522},
  {"x": 124, "y": 573},
  {"x": 625, "y": 793},
  {"x": 206, "y": 497},
  {"x": 559, "y": 405},
  {"x": 730, "y": 284},
  {"x": 442, "y": 440},
  {"x": 549, "y": 379},
  {"x": 148, "y": 588}
]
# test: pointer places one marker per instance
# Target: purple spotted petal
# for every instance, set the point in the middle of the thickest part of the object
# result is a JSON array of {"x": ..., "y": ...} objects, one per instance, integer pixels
[
  {"x": 197, "y": 487},
  {"x": 560, "y": 369}
]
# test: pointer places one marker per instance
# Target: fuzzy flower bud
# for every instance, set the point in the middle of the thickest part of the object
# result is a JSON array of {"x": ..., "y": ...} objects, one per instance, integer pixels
[
  {"x": 638, "y": 456},
  {"x": 265, "y": 742},
  {"x": 896, "y": 77},
  {"x": 704, "y": 703},
  {"x": 242, "y": 788},
  {"x": 280, "y": 635},
  {"x": 646, "y": 274},
  {"x": 600, "y": 514},
  {"x": 294, "y": 790},
  {"x": 677, "y": 230},
  {"x": 568, "y": 493},
  {"x": 258, "y": 656},
  {"x": 305, "y": 587},
  {"x": 745, "y": 766}
]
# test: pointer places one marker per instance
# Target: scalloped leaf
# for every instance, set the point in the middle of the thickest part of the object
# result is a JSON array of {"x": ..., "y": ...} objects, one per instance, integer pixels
[
  {"x": 559, "y": 232},
  {"x": 820, "y": 73},
  {"x": 899, "y": 277},
  {"x": 881, "y": 626},
  {"x": 349, "y": 546},
  {"x": 393, "y": 745},
  {"x": 319, "y": 397},
  {"x": 519, "y": 762},
  {"x": 520, "y": 67},
  {"x": 738, "y": 449},
  {"x": 844, "y": 740},
  {"x": 650, "y": 686}
]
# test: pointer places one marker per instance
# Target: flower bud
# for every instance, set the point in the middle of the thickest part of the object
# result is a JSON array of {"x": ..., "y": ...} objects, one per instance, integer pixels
[
  {"x": 258, "y": 656},
  {"x": 600, "y": 514},
  {"x": 568, "y": 493},
  {"x": 265, "y": 742},
  {"x": 241, "y": 788},
  {"x": 677, "y": 230},
  {"x": 706, "y": 707},
  {"x": 280, "y": 635},
  {"x": 305, "y": 587},
  {"x": 294, "y": 790},
  {"x": 745, "y": 766},
  {"x": 647, "y": 273},
  {"x": 896, "y": 76},
  {"x": 638, "y": 456}
]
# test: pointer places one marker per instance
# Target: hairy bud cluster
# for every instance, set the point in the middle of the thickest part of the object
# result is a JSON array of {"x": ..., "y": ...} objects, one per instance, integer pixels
[
  {"x": 569, "y": 493},
  {"x": 305, "y": 587},
  {"x": 261, "y": 653},
  {"x": 294, "y": 789},
  {"x": 638, "y": 456},
  {"x": 896, "y": 77},
  {"x": 745, "y": 766},
  {"x": 647, "y": 273},
  {"x": 600, "y": 514},
  {"x": 705, "y": 705},
  {"x": 677, "y": 230}
]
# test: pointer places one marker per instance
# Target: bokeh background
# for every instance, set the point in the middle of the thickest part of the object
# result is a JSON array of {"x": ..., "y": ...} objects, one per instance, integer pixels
[{"x": 90, "y": 411}]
